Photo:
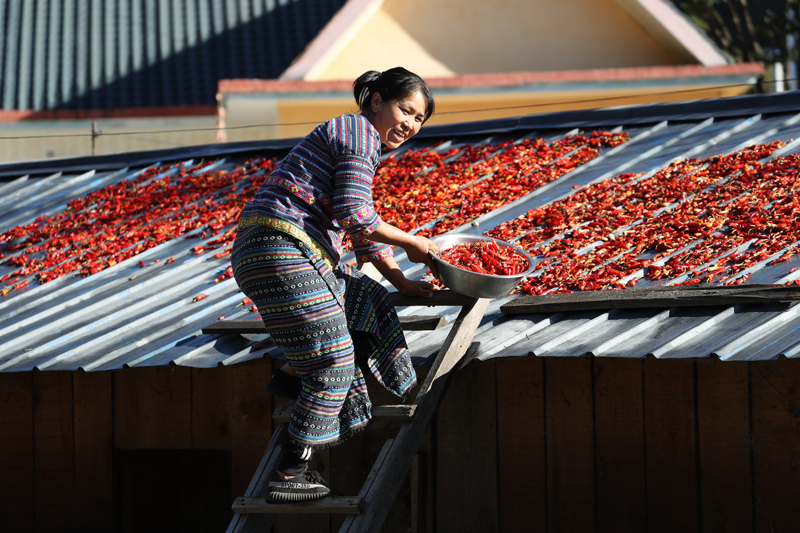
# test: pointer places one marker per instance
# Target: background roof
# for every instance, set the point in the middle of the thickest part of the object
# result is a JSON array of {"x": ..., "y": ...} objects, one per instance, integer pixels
[
  {"x": 141, "y": 311},
  {"x": 76, "y": 54}
]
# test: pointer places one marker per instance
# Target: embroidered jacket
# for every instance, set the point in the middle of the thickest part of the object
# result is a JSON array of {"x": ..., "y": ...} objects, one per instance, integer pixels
[{"x": 323, "y": 188}]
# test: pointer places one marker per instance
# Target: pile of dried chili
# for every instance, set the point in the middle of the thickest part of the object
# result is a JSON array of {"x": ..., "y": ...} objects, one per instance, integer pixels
[
  {"x": 486, "y": 258},
  {"x": 693, "y": 221},
  {"x": 124, "y": 219}
]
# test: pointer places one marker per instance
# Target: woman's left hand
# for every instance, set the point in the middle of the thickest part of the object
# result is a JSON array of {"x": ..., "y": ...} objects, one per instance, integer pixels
[{"x": 411, "y": 287}]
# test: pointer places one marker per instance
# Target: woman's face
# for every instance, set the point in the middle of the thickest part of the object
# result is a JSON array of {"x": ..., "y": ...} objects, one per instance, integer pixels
[{"x": 398, "y": 120}]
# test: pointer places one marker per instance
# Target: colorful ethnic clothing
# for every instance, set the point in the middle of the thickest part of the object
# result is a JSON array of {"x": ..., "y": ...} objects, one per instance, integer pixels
[
  {"x": 323, "y": 188},
  {"x": 325, "y": 321},
  {"x": 329, "y": 321}
]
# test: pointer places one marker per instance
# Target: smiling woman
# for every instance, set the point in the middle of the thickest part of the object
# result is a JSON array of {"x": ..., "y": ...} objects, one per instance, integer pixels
[
  {"x": 397, "y": 103},
  {"x": 327, "y": 317}
]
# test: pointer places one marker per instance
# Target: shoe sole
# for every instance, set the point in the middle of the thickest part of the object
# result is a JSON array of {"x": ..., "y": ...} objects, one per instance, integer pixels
[{"x": 297, "y": 496}]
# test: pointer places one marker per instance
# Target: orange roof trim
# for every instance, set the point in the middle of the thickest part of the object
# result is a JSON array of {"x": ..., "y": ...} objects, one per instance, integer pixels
[{"x": 505, "y": 79}]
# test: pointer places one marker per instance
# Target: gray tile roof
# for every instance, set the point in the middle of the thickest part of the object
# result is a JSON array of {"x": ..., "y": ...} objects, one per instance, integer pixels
[
  {"x": 82, "y": 54},
  {"x": 136, "y": 315}
]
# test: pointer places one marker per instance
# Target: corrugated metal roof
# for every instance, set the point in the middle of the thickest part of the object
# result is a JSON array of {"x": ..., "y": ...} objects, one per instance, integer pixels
[
  {"x": 143, "y": 316},
  {"x": 76, "y": 54}
]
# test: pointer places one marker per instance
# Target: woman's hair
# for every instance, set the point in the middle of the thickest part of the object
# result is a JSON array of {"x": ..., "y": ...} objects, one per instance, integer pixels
[{"x": 391, "y": 84}]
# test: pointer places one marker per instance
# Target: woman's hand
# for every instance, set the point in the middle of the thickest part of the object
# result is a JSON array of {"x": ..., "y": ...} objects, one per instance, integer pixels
[
  {"x": 419, "y": 250},
  {"x": 389, "y": 269},
  {"x": 412, "y": 287}
]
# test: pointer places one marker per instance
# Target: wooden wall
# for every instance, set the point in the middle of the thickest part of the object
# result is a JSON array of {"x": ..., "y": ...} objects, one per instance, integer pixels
[
  {"x": 59, "y": 432},
  {"x": 527, "y": 444},
  {"x": 593, "y": 444}
]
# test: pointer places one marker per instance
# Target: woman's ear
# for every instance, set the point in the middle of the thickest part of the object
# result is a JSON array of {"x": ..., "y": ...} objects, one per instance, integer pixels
[{"x": 376, "y": 102}]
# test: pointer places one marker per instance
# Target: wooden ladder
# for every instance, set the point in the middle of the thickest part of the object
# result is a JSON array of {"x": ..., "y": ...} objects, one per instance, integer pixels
[{"x": 368, "y": 510}]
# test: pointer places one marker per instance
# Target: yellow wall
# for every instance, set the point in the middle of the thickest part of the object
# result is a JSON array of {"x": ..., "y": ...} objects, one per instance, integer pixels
[
  {"x": 142, "y": 135},
  {"x": 450, "y": 108},
  {"x": 443, "y": 37}
]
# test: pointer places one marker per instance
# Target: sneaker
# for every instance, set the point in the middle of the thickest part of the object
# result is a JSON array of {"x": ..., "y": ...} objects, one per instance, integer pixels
[
  {"x": 284, "y": 385},
  {"x": 306, "y": 486}
]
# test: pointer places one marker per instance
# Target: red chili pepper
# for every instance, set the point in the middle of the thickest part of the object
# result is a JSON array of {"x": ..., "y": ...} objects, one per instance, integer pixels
[
  {"x": 481, "y": 257},
  {"x": 198, "y": 297}
]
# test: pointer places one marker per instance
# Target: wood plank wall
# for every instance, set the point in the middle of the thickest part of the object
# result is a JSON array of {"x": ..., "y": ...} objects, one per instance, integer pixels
[
  {"x": 58, "y": 432},
  {"x": 593, "y": 444},
  {"x": 522, "y": 444}
]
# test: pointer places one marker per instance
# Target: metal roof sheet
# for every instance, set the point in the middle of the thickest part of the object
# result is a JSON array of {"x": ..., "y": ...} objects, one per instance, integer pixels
[
  {"x": 67, "y": 54},
  {"x": 144, "y": 316}
]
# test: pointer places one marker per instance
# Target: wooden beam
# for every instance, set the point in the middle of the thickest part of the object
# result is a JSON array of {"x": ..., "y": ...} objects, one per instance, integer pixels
[
  {"x": 383, "y": 412},
  {"x": 440, "y": 298},
  {"x": 256, "y": 326},
  {"x": 388, "y": 479},
  {"x": 652, "y": 298},
  {"x": 422, "y": 323},
  {"x": 252, "y": 523},
  {"x": 327, "y": 505}
]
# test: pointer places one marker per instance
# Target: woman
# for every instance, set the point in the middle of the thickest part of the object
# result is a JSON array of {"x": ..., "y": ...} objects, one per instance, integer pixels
[{"x": 326, "y": 317}]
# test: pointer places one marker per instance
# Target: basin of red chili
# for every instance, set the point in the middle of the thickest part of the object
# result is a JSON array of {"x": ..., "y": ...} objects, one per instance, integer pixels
[{"x": 486, "y": 257}]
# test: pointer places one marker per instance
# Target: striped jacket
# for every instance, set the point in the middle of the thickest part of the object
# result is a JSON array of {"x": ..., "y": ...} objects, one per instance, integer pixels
[{"x": 323, "y": 188}]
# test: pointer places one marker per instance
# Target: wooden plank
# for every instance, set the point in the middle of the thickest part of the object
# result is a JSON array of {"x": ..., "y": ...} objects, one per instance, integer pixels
[
  {"x": 653, "y": 298},
  {"x": 440, "y": 298},
  {"x": 466, "y": 460},
  {"x": 328, "y": 505},
  {"x": 230, "y": 327},
  {"x": 384, "y": 412},
  {"x": 521, "y": 444},
  {"x": 153, "y": 407},
  {"x": 671, "y": 445},
  {"x": 94, "y": 446},
  {"x": 724, "y": 445},
  {"x": 776, "y": 444},
  {"x": 252, "y": 523},
  {"x": 422, "y": 323},
  {"x": 619, "y": 445},
  {"x": 570, "y": 445},
  {"x": 213, "y": 396},
  {"x": 16, "y": 451},
  {"x": 53, "y": 445},
  {"x": 250, "y": 420},
  {"x": 411, "y": 434}
]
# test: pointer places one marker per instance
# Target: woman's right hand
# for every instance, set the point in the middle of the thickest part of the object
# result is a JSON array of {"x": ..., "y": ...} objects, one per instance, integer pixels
[{"x": 420, "y": 250}]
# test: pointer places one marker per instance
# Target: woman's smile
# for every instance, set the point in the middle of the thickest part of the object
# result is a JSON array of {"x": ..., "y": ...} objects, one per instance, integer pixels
[{"x": 398, "y": 120}]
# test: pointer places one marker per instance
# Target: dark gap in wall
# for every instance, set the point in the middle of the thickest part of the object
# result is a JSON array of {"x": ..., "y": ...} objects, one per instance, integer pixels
[{"x": 173, "y": 490}]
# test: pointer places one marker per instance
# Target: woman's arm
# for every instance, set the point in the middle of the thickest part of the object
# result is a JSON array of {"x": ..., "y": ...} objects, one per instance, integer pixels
[
  {"x": 391, "y": 271},
  {"x": 417, "y": 248}
]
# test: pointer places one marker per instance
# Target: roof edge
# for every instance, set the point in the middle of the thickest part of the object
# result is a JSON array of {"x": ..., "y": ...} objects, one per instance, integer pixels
[
  {"x": 502, "y": 79},
  {"x": 687, "y": 110},
  {"x": 733, "y": 106},
  {"x": 674, "y": 30},
  {"x": 46, "y": 167}
]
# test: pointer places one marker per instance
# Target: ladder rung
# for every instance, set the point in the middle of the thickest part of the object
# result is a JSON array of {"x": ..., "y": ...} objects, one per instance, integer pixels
[
  {"x": 256, "y": 326},
  {"x": 402, "y": 413},
  {"x": 329, "y": 504}
]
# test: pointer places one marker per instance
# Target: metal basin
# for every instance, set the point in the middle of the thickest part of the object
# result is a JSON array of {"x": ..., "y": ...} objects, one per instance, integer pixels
[{"x": 473, "y": 283}]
